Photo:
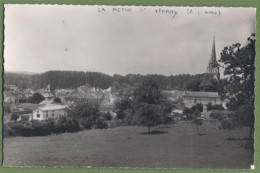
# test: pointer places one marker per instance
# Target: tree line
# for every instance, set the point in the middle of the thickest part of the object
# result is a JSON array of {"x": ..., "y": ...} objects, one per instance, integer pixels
[{"x": 74, "y": 79}]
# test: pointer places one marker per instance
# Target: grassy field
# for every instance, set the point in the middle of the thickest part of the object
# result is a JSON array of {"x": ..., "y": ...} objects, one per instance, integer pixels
[{"x": 177, "y": 147}]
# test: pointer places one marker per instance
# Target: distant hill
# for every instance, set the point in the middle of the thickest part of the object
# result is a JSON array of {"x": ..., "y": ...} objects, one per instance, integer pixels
[{"x": 20, "y": 72}]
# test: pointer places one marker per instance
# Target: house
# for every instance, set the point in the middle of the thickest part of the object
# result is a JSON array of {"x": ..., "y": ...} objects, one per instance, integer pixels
[
  {"x": 49, "y": 111},
  {"x": 9, "y": 97},
  {"x": 84, "y": 93},
  {"x": 24, "y": 110},
  {"x": 191, "y": 98}
]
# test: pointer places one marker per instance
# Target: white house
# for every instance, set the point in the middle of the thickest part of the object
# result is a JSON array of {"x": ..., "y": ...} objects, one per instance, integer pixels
[{"x": 49, "y": 111}]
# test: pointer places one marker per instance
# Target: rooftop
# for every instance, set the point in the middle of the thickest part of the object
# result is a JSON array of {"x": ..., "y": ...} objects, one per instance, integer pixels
[
  {"x": 52, "y": 107},
  {"x": 200, "y": 94}
]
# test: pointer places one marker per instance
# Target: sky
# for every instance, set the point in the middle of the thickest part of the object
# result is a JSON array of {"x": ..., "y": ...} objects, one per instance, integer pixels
[{"x": 112, "y": 40}]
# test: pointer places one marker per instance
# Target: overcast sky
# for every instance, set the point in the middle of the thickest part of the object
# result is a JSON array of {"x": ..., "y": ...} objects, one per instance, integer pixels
[{"x": 39, "y": 38}]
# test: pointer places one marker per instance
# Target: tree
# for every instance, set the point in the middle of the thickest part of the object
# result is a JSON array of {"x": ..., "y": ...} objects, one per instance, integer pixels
[
  {"x": 87, "y": 113},
  {"x": 197, "y": 119},
  {"x": 14, "y": 117},
  {"x": 194, "y": 114},
  {"x": 143, "y": 105},
  {"x": 149, "y": 115},
  {"x": 36, "y": 98},
  {"x": 151, "y": 107},
  {"x": 57, "y": 100},
  {"x": 238, "y": 62},
  {"x": 22, "y": 85},
  {"x": 192, "y": 84}
]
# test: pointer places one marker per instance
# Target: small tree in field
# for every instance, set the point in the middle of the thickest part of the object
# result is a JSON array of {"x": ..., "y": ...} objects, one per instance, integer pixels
[
  {"x": 150, "y": 106},
  {"x": 194, "y": 114},
  {"x": 144, "y": 105},
  {"x": 197, "y": 119},
  {"x": 149, "y": 115}
]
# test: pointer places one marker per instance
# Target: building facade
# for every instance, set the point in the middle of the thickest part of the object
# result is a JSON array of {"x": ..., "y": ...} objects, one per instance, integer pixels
[
  {"x": 49, "y": 111},
  {"x": 191, "y": 98}
]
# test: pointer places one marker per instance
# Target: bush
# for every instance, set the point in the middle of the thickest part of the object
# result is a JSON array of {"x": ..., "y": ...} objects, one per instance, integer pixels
[
  {"x": 186, "y": 111},
  {"x": 65, "y": 124},
  {"x": 14, "y": 117},
  {"x": 226, "y": 125},
  {"x": 107, "y": 116},
  {"x": 41, "y": 128},
  {"x": 85, "y": 124},
  {"x": 100, "y": 123},
  {"x": 216, "y": 116}
]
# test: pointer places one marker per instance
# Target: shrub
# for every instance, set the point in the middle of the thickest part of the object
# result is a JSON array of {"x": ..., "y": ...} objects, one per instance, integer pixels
[
  {"x": 186, "y": 111},
  {"x": 226, "y": 125},
  {"x": 107, "y": 116},
  {"x": 14, "y": 117},
  {"x": 100, "y": 123},
  {"x": 41, "y": 128}
]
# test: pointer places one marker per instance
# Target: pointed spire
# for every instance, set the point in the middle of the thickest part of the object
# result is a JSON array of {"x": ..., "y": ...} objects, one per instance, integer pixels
[{"x": 213, "y": 60}]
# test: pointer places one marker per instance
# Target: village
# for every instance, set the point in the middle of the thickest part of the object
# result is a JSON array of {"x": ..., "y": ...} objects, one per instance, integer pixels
[
  {"x": 53, "y": 105},
  {"x": 129, "y": 87}
]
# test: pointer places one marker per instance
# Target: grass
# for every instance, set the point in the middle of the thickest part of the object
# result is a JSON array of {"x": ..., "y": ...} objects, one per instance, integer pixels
[{"x": 178, "y": 146}]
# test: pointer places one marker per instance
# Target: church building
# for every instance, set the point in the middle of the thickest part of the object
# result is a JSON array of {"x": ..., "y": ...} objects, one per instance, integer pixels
[
  {"x": 191, "y": 98},
  {"x": 213, "y": 67}
]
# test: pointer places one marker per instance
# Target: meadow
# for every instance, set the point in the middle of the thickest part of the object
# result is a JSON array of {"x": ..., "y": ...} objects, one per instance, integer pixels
[{"x": 170, "y": 146}]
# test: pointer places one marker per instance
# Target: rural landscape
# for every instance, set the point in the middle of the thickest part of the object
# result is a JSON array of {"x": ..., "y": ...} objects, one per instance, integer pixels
[
  {"x": 70, "y": 118},
  {"x": 187, "y": 109}
]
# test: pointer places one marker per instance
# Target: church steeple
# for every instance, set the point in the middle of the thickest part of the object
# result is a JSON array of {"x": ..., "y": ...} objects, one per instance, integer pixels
[
  {"x": 213, "y": 64},
  {"x": 213, "y": 60}
]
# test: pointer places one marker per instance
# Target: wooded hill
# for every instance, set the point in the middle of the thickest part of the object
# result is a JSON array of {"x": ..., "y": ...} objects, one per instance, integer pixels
[{"x": 74, "y": 79}]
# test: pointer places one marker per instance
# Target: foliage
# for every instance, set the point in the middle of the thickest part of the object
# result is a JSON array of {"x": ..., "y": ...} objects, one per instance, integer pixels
[
  {"x": 209, "y": 107},
  {"x": 22, "y": 85},
  {"x": 41, "y": 128},
  {"x": 57, "y": 100},
  {"x": 186, "y": 111},
  {"x": 14, "y": 117},
  {"x": 36, "y": 98},
  {"x": 238, "y": 62},
  {"x": 143, "y": 105},
  {"x": 194, "y": 114},
  {"x": 71, "y": 79},
  {"x": 106, "y": 115},
  {"x": 216, "y": 117},
  {"x": 87, "y": 114},
  {"x": 74, "y": 79}
]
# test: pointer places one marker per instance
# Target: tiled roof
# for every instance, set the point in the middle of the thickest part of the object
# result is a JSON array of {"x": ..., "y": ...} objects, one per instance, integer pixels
[
  {"x": 200, "y": 94},
  {"x": 29, "y": 106},
  {"x": 47, "y": 95},
  {"x": 85, "y": 89},
  {"x": 52, "y": 107}
]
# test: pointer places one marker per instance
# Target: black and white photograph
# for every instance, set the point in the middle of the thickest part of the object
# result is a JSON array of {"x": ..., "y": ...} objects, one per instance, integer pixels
[{"x": 128, "y": 86}]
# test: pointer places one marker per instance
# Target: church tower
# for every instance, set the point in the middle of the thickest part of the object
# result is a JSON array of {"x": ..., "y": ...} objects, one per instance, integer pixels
[{"x": 213, "y": 67}]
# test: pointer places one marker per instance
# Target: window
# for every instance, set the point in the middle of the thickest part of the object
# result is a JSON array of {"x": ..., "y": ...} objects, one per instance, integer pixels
[
  {"x": 38, "y": 115},
  {"x": 46, "y": 115},
  {"x": 52, "y": 114}
]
